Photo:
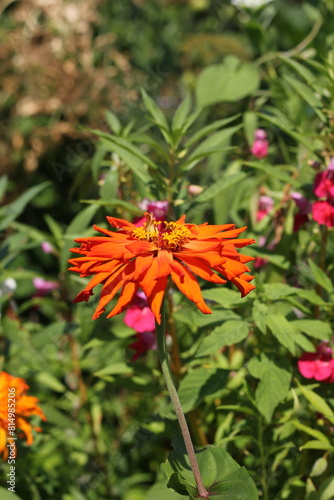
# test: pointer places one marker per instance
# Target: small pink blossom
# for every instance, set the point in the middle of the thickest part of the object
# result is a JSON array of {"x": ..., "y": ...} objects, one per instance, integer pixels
[
  {"x": 260, "y": 134},
  {"x": 304, "y": 205},
  {"x": 324, "y": 183},
  {"x": 260, "y": 145},
  {"x": 194, "y": 189},
  {"x": 46, "y": 247},
  {"x": 140, "y": 319},
  {"x": 318, "y": 365},
  {"x": 305, "y": 208},
  {"x": 159, "y": 209},
  {"x": 265, "y": 205},
  {"x": 323, "y": 213},
  {"x": 43, "y": 286}
]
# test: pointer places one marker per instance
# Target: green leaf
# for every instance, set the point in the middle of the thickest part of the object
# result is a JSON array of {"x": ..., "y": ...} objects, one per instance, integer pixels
[
  {"x": 319, "y": 467},
  {"x": 282, "y": 329},
  {"x": 305, "y": 73},
  {"x": 274, "y": 172},
  {"x": 259, "y": 313},
  {"x": 113, "y": 122},
  {"x": 250, "y": 125},
  {"x": 134, "y": 159},
  {"x": 5, "y": 494},
  {"x": 278, "y": 291},
  {"x": 74, "y": 230},
  {"x": 274, "y": 383},
  {"x": 10, "y": 212},
  {"x": 288, "y": 128},
  {"x": 303, "y": 342},
  {"x": 307, "y": 94},
  {"x": 203, "y": 132},
  {"x": 326, "y": 489},
  {"x": 310, "y": 431},
  {"x": 198, "y": 320},
  {"x": 114, "y": 369},
  {"x": 54, "y": 227},
  {"x": 237, "y": 408},
  {"x": 310, "y": 296},
  {"x": 223, "y": 296},
  {"x": 180, "y": 116},
  {"x": 318, "y": 402},
  {"x": 228, "y": 82},
  {"x": 3, "y": 185},
  {"x": 316, "y": 445},
  {"x": 221, "y": 475},
  {"x": 225, "y": 182},
  {"x": 228, "y": 333},
  {"x": 313, "y": 327},
  {"x": 114, "y": 204},
  {"x": 320, "y": 277},
  {"x": 157, "y": 115},
  {"x": 217, "y": 141},
  {"x": 200, "y": 383},
  {"x": 162, "y": 491},
  {"x": 49, "y": 380}
]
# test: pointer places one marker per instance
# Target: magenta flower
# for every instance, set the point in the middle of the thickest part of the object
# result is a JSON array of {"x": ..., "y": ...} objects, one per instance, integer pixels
[
  {"x": 318, "y": 365},
  {"x": 159, "y": 209},
  {"x": 140, "y": 319},
  {"x": 146, "y": 341},
  {"x": 43, "y": 286},
  {"x": 265, "y": 204},
  {"x": 46, "y": 247},
  {"x": 305, "y": 208},
  {"x": 324, "y": 183},
  {"x": 323, "y": 213},
  {"x": 139, "y": 316},
  {"x": 260, "y": 145}
]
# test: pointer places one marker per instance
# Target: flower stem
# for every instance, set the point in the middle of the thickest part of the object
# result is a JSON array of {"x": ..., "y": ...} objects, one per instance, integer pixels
[{"x": 163, "y": 356}]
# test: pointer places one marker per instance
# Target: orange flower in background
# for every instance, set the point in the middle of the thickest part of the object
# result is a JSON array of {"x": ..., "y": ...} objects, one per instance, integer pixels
[
  {"x": 12, "y": 396},
  {"x": 144, "y": 257}
]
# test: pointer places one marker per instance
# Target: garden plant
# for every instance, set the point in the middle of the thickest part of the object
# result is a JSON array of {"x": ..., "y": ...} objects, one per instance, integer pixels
[{"x": 167, "y": 258}]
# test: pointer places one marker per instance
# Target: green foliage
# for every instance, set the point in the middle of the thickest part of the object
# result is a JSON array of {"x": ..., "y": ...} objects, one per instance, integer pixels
[{"x": 183, "y": 104}]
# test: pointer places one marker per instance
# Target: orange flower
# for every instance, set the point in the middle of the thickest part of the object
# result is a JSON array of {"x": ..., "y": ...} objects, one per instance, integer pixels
[
  {"x": 144, "y": 257},
  {"x": 15, "y": 407}
]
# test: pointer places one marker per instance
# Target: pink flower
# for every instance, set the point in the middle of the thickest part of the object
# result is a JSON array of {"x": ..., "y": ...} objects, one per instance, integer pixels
[
  {"x": 139, "y": 316},
  {"x": 302, "y": 202},
  {"x": 324, "y": 183},
  {"x": 260, "y": 145},
  {"x": 318, "y": 365},
  {"x": 140, "y": 319},
  {"x": 159, "y": 209},
  {"x": 264, "y": 206},
  {"x": 323, "y": 213},
  {"x": 305, "y": 208},
  {"x": 260, "y": 134},
  {"x": 46, "y": 247},
  {"x": 259, "y": 261},
  {"x": 194, "y": 189},
  {"x": 146, "y": 341},
  {"x": 43, "y": 286}
]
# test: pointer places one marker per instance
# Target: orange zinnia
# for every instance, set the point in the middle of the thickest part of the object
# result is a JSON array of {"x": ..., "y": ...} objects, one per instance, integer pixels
[
  {"x": 24, "y": 406},
  {"x": 144, "y": 257}
]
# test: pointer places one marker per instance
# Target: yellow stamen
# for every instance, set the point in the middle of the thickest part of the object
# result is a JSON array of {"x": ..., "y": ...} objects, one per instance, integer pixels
[{"x": 167, "y": 235}]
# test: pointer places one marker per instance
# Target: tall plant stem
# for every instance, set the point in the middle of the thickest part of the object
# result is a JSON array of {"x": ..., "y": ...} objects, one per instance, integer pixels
[{"x": 165, "y": 366}]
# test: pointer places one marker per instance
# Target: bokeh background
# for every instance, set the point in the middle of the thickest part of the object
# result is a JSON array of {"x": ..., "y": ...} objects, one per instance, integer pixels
[{"x": 64, "y": 66}]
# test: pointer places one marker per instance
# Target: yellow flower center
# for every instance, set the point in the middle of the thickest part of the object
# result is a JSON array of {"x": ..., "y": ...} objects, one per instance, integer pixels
[{"x": 166, "y": 235}]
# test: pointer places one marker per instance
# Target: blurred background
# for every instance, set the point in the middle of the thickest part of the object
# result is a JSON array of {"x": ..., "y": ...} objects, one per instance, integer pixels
[{"x": 66, "y": 64}]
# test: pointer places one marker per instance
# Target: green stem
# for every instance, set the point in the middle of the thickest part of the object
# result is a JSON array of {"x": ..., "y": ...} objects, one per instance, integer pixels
[{"x": 163, "y": 356}]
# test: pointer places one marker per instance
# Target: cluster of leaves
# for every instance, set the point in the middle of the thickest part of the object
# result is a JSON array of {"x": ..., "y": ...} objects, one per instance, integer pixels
[{"x": 109, "y": 423}]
